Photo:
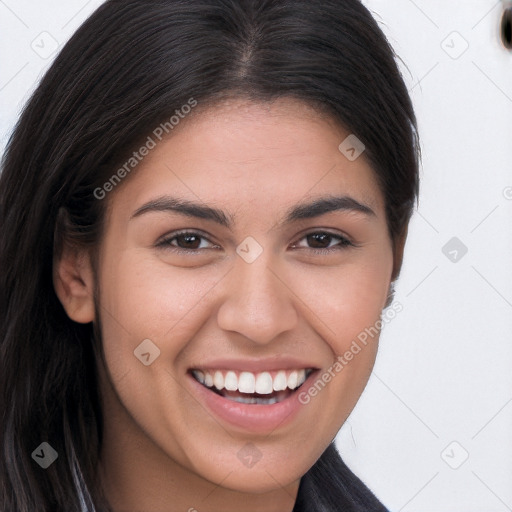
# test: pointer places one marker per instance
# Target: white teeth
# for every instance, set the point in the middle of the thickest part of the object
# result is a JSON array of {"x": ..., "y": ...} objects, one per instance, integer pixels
[
  {"x": 280, "y": 381},
  {"x": 231, "y": 382},
  {"x": 246, "y": 382},
  {"x": 292, "y": 380},
  {"x": 208, "y": 380},
  {"x": 218, "y": 380},
  {"x": 253, "y": 400},
  {"x": 263, "y": 384},
  {"x": 199, "y": 376}
]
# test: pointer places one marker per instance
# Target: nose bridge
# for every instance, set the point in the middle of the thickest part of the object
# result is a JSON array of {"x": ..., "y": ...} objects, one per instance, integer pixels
[{"x": 257, "y": 303}]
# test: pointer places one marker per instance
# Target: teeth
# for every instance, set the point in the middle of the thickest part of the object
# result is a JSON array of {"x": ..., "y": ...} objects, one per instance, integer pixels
[
  {"x": 218, "y": 380},
  {"x": 252, "y": 400},
  {"x": 263, "y": 383},
  {"x": 293, "y": 378},
  {"x": 199, "y": 376},
  {"x": 280, "y": 381},
  {"x": 246, "y": 382},
  {"x": 208, "y": 380},
  {"x": 231, "y": 382}
]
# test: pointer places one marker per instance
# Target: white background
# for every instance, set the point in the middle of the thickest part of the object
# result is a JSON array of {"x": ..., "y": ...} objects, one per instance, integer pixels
[{"x": 441, "y": 390}]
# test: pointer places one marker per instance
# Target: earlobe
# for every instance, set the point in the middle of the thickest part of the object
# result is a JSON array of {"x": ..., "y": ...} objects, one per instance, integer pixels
[{"x": 73, "y": 280}]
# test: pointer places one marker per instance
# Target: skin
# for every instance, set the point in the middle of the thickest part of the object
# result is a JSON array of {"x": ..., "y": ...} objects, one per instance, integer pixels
[{"x": 163, "y": 450}]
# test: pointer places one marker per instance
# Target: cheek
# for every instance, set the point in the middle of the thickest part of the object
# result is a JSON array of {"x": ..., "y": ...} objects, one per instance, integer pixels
[
  {"x": 346, "y": 306},
  {"x": 347, "y": 300},
  {"x": 142, "y": 298}
]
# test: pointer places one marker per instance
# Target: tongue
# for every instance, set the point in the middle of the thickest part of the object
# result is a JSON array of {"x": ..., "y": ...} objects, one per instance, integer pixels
[{"x": 280, "y": 395}]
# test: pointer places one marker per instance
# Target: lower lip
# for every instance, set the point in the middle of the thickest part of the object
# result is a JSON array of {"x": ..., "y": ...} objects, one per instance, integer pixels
[{"x": 258, "y": 418}]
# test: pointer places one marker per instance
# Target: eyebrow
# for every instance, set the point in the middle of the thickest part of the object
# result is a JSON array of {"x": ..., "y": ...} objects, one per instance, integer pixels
[{"x": 310, "y": 210}]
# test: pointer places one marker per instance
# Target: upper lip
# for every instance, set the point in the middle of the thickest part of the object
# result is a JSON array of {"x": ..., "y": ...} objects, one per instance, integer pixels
[{"x": 256, "y": 365}]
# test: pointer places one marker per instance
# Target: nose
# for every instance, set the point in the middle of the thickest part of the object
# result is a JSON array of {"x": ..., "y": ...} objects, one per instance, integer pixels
[{"x": 257, "y": 302}]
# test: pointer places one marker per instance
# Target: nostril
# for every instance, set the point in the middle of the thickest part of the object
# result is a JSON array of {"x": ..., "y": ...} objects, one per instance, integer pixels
[{"x": 506, "y": 28}]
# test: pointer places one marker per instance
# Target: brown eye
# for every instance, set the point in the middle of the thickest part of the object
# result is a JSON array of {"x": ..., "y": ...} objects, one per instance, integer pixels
[
  {"x": 319, "y": 240},
  {"x": 187, "y": 241},
  {"x": 323, "y": 241}
]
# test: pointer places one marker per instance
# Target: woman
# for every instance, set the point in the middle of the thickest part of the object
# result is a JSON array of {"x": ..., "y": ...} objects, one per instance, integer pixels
[{"x": 203, "y": 205}]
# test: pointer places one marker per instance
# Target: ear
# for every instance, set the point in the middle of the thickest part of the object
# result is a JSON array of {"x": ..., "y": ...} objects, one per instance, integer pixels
[{"x": 73, "y": 280}]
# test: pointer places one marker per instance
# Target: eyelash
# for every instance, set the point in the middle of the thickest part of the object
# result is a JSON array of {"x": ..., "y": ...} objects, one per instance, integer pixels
[{"x": 343, "y": 242}]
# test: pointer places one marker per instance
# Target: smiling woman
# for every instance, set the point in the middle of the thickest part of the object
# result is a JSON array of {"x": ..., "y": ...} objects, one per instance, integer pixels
[{"x": 193, "y": 338}]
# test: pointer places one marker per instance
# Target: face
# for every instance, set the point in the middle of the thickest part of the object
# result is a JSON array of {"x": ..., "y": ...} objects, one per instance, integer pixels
[{"x": 247, "y": 253}]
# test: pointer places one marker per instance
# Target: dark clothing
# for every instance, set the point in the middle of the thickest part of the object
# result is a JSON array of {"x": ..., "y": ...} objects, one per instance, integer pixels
[{"x": 330, "y": 486}]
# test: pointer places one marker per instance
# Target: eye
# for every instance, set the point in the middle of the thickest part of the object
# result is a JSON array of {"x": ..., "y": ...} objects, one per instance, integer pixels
[
  {"x": 323, "y": 241},
  {"x": 193, "y": 241},
  {"x": 186, "y": 241}
]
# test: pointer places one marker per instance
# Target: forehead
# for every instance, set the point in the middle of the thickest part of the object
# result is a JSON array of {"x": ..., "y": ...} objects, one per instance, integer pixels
[{"x": 252, "y": 156}]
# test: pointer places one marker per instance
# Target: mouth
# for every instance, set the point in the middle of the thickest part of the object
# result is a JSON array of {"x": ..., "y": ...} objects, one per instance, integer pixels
[{"x": 262, "y": 388}]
